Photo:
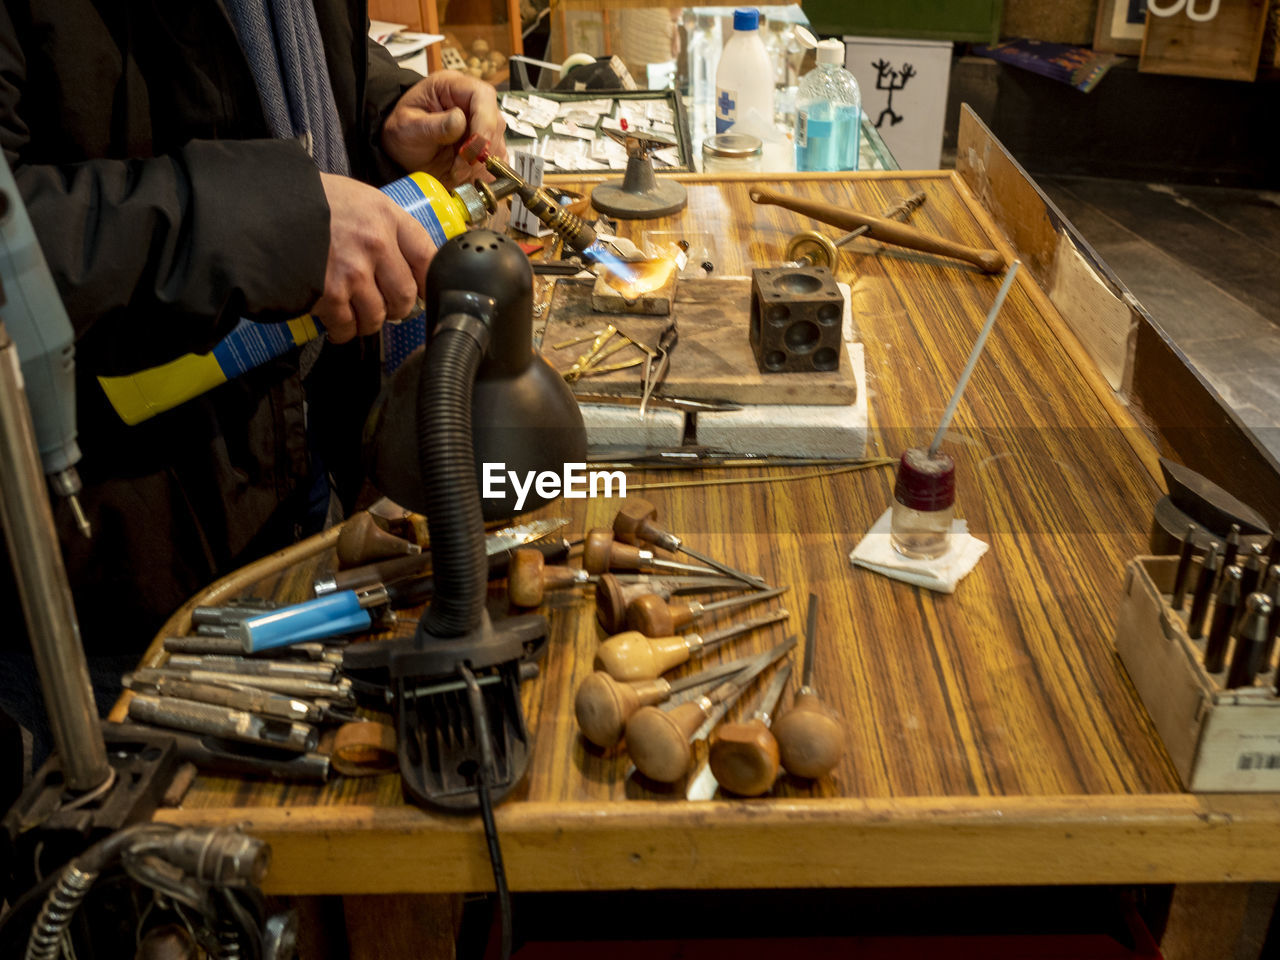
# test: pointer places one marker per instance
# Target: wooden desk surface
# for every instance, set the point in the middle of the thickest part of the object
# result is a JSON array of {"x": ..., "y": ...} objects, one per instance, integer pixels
[{"x": 993, "y": 735}]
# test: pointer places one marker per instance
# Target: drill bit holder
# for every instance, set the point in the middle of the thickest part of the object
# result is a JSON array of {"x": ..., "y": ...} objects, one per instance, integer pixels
[{"x": 640, "y": 195}]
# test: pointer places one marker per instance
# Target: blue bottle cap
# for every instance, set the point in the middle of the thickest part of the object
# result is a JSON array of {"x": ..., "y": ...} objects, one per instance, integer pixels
[{"x": 748, "y": 19}]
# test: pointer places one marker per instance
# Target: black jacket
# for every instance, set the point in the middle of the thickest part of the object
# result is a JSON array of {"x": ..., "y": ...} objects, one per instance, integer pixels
[{"x": 166, "y": 212}]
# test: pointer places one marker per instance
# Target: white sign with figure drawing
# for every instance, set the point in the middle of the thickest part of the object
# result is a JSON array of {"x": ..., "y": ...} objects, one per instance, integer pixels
[{"x": 903, "y": 84}]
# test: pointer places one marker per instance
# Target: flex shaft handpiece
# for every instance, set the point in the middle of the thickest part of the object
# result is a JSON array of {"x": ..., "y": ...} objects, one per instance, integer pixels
[{"x": 633, "y": 656}]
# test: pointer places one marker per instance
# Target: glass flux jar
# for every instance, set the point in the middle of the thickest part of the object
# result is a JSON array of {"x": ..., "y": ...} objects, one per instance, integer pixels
[{"x": 924, "y": 504}]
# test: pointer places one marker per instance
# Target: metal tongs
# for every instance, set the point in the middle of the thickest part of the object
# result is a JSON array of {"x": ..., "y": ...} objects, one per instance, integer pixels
[{"x": 656, "y": 373}]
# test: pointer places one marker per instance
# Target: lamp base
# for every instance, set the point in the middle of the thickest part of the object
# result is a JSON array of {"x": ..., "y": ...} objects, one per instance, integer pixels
[{"x": 440, "y": 752}]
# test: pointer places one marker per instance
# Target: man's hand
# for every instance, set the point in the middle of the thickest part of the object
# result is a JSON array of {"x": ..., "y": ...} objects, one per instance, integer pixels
[
  {"x": 435, "y": 114},
  {"x": 378, "y": 256}
]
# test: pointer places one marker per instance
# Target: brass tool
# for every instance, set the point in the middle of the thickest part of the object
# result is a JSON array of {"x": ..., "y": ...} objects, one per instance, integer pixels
[
  {"x": 633, "y": 656},
  {"x": 636, "y": 523},
  {"x": 614, "y": 593},
  {"x": 810, "y": 738},
  {"x": 362, "y": 541},
  {"x": 744, "y": 757},
  {"x": 651, "y": 615},
  {"x": 600, "y": 553},
  {"x": 541, "y": 201},
  {"x": 886, "y": 231},
  {"x": 530, "y": 576},
  {"x": 810, "y": 248},
  {"x": 659, "y": 741},
  {"x": 603, "y": 705}
]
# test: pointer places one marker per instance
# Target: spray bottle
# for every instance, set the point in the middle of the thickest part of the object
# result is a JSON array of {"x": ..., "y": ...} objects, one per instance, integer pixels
[{"x": 139, "y": 396}]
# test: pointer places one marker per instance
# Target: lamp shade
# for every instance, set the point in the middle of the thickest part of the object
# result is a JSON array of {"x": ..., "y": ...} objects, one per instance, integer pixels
[{"x": 524, "y": 418}]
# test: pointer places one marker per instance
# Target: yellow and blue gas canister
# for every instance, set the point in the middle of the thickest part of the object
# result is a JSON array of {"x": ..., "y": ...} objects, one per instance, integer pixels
[{"x": 139, "y": 396}]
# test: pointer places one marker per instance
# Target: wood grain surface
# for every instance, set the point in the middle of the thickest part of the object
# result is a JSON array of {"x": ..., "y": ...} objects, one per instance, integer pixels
[{"x": 993, "y": 736}]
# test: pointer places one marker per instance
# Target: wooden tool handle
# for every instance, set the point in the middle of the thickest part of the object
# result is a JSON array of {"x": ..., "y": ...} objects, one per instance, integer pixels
[
  {"x": 888, "y": 231},
  {"x": 658, "y": 741},
  {"x": 654, "y": 617},
  {"x": 810, "y": 739},
  {"x": 633, "y": 656},
  {"x": 611, "y": 604},
  {"x": 524, "y": 577},
  {"x": 601, "y": 553},
  {"x": 363, "y": 541},
  {"x": 744, "y": 758},
  {"x": 384, "y": 571},
  {"x": 634, "y": 522},
  {"x": 602, "y": 706}
]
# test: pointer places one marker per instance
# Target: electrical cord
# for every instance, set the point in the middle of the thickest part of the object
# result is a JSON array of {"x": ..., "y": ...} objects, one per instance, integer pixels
[{"x": 475, "y": 698}]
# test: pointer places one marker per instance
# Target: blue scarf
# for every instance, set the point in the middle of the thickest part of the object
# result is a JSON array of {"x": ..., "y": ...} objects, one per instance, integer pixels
[{"x": 281, "y": 39}]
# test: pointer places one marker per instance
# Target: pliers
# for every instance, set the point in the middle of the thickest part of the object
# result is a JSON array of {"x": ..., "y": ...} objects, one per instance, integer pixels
[{"x": 654, "y": 374}]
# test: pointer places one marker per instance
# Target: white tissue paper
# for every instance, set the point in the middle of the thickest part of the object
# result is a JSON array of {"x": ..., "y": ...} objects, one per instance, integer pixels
[{"x": 875, "y": 552}]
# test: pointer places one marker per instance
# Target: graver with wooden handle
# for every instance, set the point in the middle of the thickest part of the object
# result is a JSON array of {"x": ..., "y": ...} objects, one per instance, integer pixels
[{"x": 878, "y": 228}]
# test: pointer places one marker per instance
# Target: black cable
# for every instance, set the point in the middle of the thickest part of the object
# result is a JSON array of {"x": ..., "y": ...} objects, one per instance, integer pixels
[{"x": 475, "y": 697}]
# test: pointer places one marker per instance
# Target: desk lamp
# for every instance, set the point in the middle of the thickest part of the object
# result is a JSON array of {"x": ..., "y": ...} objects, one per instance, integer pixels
[{"x": 477, "y": 393}]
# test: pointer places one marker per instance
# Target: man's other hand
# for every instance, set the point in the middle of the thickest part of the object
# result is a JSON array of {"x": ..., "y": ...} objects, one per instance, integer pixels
[{"x": 434, "y": 116}]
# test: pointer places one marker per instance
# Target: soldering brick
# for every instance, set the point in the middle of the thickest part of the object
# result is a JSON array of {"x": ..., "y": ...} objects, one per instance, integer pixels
[
  {"x": 793, "y": 430},
  {"x": 617, "y": 425}
]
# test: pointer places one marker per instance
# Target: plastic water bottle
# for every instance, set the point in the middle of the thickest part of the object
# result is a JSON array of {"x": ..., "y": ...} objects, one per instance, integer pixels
[
  {"x": 704, "y": 58},
  {"x": 828, "y": 114},
  {"x": 744, "y": 79}
]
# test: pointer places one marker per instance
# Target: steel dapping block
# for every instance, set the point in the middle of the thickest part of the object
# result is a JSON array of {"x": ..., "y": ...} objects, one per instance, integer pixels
[{"x": 796, "y": 315}]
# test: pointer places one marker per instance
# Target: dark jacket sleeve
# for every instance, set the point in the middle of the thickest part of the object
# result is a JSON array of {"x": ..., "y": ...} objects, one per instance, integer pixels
[
  {"x": 385, "y": 84},
  {"x": 161, "y": 256}
]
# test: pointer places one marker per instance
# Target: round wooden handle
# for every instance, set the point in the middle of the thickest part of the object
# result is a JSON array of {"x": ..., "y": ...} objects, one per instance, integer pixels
[
  {"x": 633, "y": 656},
  {"x": 658, "y": 741},
  {"x": 602, "y": 706},
  {"x": 597, "y": 550},
  {"x": 654, "y": 617},
  {"x": 633, "y": 524},
  {"x": 810, "y": 738},
  {"x": 363, "y": 541},
  {"x": 524, "y": 577},
  {"x": 611, "y": 603},
  {"x": 744, "y": 758}
]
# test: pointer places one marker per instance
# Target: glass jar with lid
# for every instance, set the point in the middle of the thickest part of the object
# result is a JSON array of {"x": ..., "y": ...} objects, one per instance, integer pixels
[{"x": 732, "y": 153}]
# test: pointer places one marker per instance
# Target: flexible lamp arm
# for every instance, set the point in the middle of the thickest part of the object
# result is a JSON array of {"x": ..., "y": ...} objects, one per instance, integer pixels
[{"x": 446, "y": 459}]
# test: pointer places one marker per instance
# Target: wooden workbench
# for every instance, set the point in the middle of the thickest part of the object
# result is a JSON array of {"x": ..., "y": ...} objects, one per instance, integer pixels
[{"x": 993, "y": 736}]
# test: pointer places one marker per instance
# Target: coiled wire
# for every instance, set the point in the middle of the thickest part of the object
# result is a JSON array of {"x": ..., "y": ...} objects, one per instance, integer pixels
[{"x": 45, "y": 942}]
